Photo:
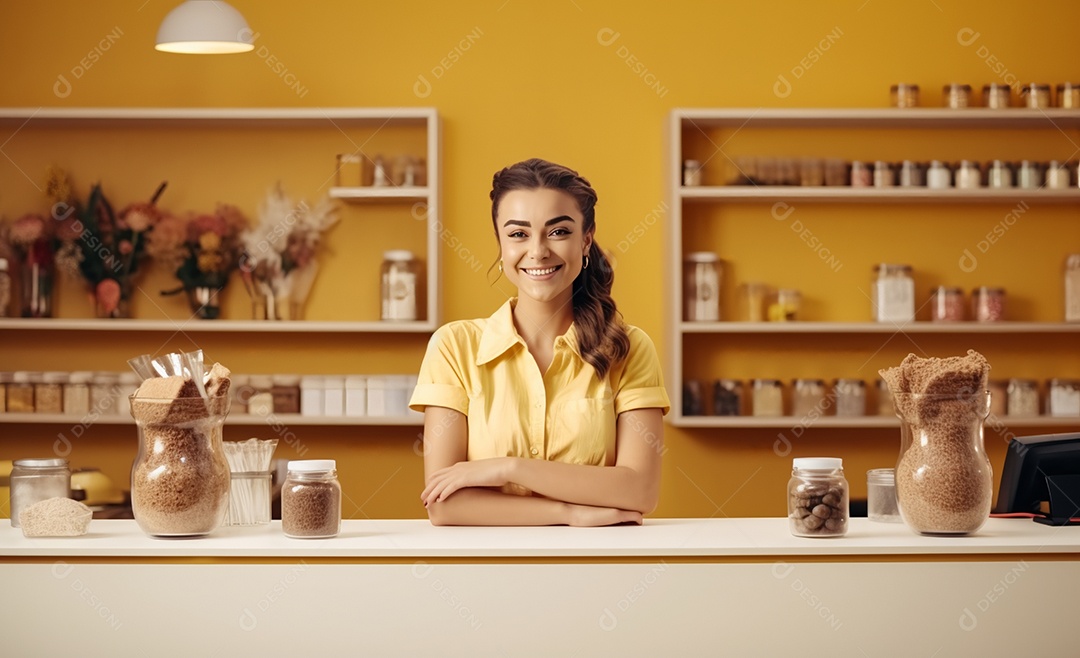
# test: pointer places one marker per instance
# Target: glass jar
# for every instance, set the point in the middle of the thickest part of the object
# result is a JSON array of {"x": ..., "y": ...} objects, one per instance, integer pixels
[
  {"x": 893, "y": 293},
  {"x": 727, "y": 397},
  {"x": 285, "y": 393},
  {"x": 883, "y": 174},
  {"x": 103, "y": 393},
  {"x": 1072, "y": 288},
  {"x": 241, "y": 393},
  {"x": 691, "y": 173},
  {"x": 768, "y": 397},
  {"x": 311, "y": 499},
  {"x": 988, "y": 304},
  {"x": 20, "y": 393},
  {"x": 904, "y": 95},
  {"x": 861, "y": 176},
  {"x": 249, "y": 498},
  {"x": 126, "y": 385},
  {"x": 180, "y": 478},
  {"x": 752, "y": 298},
  {"x": 35, "y": 480},
  {"x": 808, "y": 396},
  {"x": 818, "y": 497},
  {"x": 968, "y": 176},
  {"x": 1023, "y": 397},
  {"x": 943, "y": 477},
  {"x": 938, "y": 176},
  {"x": 1029, "y": 176},
  {"x": 956, "y": 96},
  {"x": 885, "y": 405},
  {"x": 812, "y": 172},
  {"x": 261, "y": 400},
  {"x": 6, "y": 289},
  {"x": 400, "y": 276},
  {"x": 881, "y": 496},
  {"x": 49, "y": 393},
  {"x": 693, "y": 398},
  {"x": 1068, "y": 95},
  {"x": 1000, "y": 175},
  {"x": 836, "y": 172},
  {"x": 1057, "y": 176},
  {"x": 999, "y": 394},
  {"x": 1036, "y": 96},
  {"x": 5, "y": 379},
  {"x": 946, "y": 304},
  {"x": 997, "y": 96},
  {"x": 77, "y": 393},
  {"x": 785, "y": 307},
  {"x": 850, "y": 397},
  {"x": 1064, "y": 399},
  {"x": 912, "y": 174},
  {"x": 701, "y": 287}
]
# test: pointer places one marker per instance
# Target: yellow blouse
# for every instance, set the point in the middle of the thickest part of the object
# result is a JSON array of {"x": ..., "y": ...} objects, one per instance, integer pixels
[{"x": 483, "y": 369}]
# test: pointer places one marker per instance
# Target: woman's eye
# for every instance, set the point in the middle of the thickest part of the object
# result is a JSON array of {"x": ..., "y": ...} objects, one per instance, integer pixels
[
  {"x": 560, "y": 231},
  {"x": 517, "y": 234}
]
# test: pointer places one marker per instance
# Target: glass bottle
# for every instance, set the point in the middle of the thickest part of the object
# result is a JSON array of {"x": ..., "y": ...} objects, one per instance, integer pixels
[
  {"x": 6, "y": 289},
  {"x": 701, "y": 287},
  {"x": 1057, "y": 176},
  {"x": 1036, "y": 96},
  {"x": 103, "y": 393},
  {"x": 988, "y": 304},
  {"x": 35, "y": 480},
  {"x": 912, "y": 174},
  {"x": 883, "y": 174},
  {"x": 399, "y": 285},
  {"x": 999, "y": 175},
  {"x": 768, "y": 397},
  {"x": 77, "y": 393},
  {"x": 20, "y": 393},
  {"x": 1068, "y": 95},
  {"x": 36, "y": 281},
  {"x": 752, "y": 296},
  {"x": 691, "y": 173},
  {"x": 861, "y": 176},
  {"x": 850, "y": 397},
  {"x": 947, "y": 304},
  {"x": 943, "y": 476},
  {"x": 881, "y": 496},
  {"x": 727, "y": 397},
  {"x": 1029, "y": 175},
  {"x": 808, "y": 396},
  {"x": 311, "y": 499},
  {"x": 968, "y": 176},
  {"x": 785, "y": 308},
  {"x": 997, "y": 96},
  {"x": 904, "y": 95},
  {"x": 818, "y": 498},
  {"x": 938, "y": 176},
  {"x": 956, "y": 96},
  {"x": 893, "y": 293},
  {"x": 1072, "y": 288},
  {"x": 693, "y": 398}
]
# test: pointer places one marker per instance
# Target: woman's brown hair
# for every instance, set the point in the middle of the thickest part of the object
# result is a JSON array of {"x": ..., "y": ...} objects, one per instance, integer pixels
[{"x": 602, "y": 338}]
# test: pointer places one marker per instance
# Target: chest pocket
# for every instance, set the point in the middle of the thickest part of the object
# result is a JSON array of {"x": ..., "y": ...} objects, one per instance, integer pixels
[{"x": 583, "y": 432}]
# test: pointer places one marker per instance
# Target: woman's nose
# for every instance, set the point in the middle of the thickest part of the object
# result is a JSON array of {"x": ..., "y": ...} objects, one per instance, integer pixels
[{"x": 539, "y": 249}]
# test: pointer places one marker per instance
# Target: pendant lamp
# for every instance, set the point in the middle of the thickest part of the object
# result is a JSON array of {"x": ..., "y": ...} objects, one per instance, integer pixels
[{"x": 205, "y": 27}]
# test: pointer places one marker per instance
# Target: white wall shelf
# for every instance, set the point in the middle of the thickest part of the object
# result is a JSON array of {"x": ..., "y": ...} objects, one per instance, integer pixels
[
  {"x": 1018, "y": 328},
  {"x": 194, "y": 325},
  {"x": 772, "y": 193},
  {"x": 282, "y": 420},
  {"x": 849, "y": 422},
  {"x": 360, "y": 194},
  {"x": 918, "y": 117}
]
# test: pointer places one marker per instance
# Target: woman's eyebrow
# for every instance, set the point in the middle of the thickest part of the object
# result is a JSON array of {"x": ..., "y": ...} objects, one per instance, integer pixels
[{"x": 554, "y": 220}]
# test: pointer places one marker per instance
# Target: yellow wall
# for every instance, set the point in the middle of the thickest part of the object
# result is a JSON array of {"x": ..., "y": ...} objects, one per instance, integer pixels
[{"x": 512, "y": 80}]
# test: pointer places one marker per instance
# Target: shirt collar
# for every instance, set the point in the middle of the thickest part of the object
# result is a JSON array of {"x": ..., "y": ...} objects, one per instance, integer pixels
[{"x": 500, "y": 335}]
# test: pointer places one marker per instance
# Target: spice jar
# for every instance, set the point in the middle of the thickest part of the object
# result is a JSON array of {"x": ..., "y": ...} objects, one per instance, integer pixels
[
  {"x": 400, "y": 275},
  {"x": 911, "y": 174},
  {"x": 850, "y": 397},
  {"x": 126, "y": 385},
  {"x": 812, "y": 172},
  {"x": 836, "y": 172},
  {"x": 35, "y": 480},
  {"x": 49, "y": 393},
  {"x": 752, "y": 300},
  {"x": 103, "y": 393},
  {"x": 946, "y": 304},
  {"x": 885, "y": 405},
  {"x": 785, "y": 308},
  {"x": 1064, "y": 398},
  {"x": 727, "y": 397},
  {"x": 1057, "y": 176},
  {"x": 5, "y": 379},
  {"x": 938, "y": 176},
  {"x": 818, "y": 497},
  {"x": 904, "y": 95},
  {"x": 860, "y": 175},
  {"x": 6, "y": 288},
  {"x": 956, "y": 96},
  {"x": 693, "y": 398},
  {"x": 1072, "y": 288},
  {"x": 768, "y": 397},
  {"x": 701, "y": 287},
  {"x": 77, "y": 393},
  {"x": 311, "y": 499},
  {"x": 893, "y": 293},
  {"x": 1068, "y": 95},
  {"x": 20, "y": 393},
  {"x": 285, "y": 393},
  {"x": 1029, "y": 176},
  {"x": 999, "y": 175},
  {"x": 997, "y": 96},
  {"x": 1036, "y": 96},
  {"x": 883, "y": 174},
  {"x": 968, "y": 176},
  {"x": 261, "y": 400},
  {"x": 808, "y": 397},
  {"x": 881, "y": 502},
  {"x": 988, "y": 304},
  {"x": 1023, "y": 397},
  {"x": 691, "y": 173}
]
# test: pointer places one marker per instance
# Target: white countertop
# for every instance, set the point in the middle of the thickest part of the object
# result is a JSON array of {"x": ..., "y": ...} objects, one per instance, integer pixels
[{"x": 742, "y": 537}]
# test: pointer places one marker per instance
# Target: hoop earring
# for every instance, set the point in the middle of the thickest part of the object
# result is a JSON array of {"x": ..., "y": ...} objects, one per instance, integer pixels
[
  {"x": 500, "y": 266},
  {"x": 586, "y": 263}
]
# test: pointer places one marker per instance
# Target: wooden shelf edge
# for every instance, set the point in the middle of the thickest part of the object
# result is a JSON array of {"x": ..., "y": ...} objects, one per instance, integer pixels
[
  {"x": 748, "y": 193},
  {"x": 277, "y": 420},
  {"x": 854, "y": 422},
  {"x": 379, "y": 193},
  {"x": 201, "y": 326},
  {"x": 879, "y": 117},
  {"x": 918, "y": 327}
]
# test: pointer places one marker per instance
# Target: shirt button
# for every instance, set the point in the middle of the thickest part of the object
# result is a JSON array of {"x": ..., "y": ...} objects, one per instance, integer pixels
[
  {"x": 535, "y": 451},
  {"x": 539, "y": 405}
]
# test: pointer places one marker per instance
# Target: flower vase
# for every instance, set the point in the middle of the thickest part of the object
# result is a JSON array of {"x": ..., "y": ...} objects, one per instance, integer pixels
[
  {"x": 944, "y": 481},
  {"x": 36, "y": 281},
  {"x": 204, "y": 302},
  {"x": 112, "y": 299}
]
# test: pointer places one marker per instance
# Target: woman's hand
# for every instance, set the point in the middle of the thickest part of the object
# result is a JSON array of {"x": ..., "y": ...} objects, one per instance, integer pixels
[
  {"x": 588, "y": 516},
  {"x": 493, "y": 472}
]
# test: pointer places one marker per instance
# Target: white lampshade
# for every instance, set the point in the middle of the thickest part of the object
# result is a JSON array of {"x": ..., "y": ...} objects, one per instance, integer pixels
[{"x": 204, "y": 27}]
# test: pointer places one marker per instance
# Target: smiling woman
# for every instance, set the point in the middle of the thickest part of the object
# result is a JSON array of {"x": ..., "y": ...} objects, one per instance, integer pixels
[{"x": 550, "y": 411}]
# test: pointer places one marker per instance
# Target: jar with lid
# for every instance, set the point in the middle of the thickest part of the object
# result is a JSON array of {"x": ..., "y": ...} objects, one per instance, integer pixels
[
  {"x": 850, "y": 397},
  {"x": 285, "y": 393},
  {"x": 5, "y": 380},
  {"x": 311, "y": 499},
  {"x": 693, "y": 398},
  {"x": 812, "y": 172},
  {"x": 785, "y": 307},
  {"x": 893, "y": 293},
  {"x": 752, "y": 297},
  {"x": 400, "y": 277},
  {"x": 861, "y": 176},
  {"x": 1023, "y": 397},
  {"x": 904, "y": 95},
  {"x": 999, "y": 175},
  {"x": 881, "y": 502},
  {"x": 1072, "y": 288},
  {"x": 126, "y": 385},
  {"x": 988, "y": 304},
  {"x": 883, "y": 174},
  {"x": 938, "y": 176},
  {"x": 1029, "y": 176},
  {"x": 768, "y": 397},
  {"x": 104, "y": 390},
  {"x": 1036, "y": 96},
  {"x": 1064, "y": 398},
  {"x": 49, "y": 393},
  {"x": 912, "y": 174},
  {"x": 997, "y": 96},
  {"x": 946, "y": 304},
  {"x": 818, "y": 497},
  {"x": 727, "y": 397},
  {"x": 808, "y": 396},
  {"x": 968, "y": 176},
  {"x": 885, "y": 406},
  {"x": 1057, "y": 176},
  {"x": 334, "y": 396},
  {"x": 35, "y": 480},
  {"x": 999, "y": 395},
  {"x": 77, "y": 393},
  {"x": 1068, "y": 95},
  {"x": 6, "y": 288},
  {"x": 261, "y": 400},
  {"x": 20, "y": 393},
  {"x": 701, "y": 287},
  {"x": 956, "y": 96},
  {"x": 312, "y": 388},
  {"x": 691, "y": 173}
]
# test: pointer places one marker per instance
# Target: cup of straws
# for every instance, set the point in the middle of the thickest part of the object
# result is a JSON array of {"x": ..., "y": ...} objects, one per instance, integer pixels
[{"x": 249, "y": 493}]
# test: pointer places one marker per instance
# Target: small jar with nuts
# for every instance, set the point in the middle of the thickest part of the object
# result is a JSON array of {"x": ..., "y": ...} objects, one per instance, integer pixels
[{"x": 818, "y": 497}]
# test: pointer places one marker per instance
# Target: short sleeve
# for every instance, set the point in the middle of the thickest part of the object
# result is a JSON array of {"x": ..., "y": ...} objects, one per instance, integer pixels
[
  {"x": 640, "y": 384},
  {"x": 440, "y": 382}
]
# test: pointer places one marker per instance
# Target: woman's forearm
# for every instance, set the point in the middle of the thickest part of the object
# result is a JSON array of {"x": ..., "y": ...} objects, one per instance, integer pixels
[
  {"x": 601, "y": 486},
  {"x": 476, "y": 506}
]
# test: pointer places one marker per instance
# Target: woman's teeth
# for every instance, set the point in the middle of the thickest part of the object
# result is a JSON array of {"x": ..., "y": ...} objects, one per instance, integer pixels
[{"x": 542, "y": 272}]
